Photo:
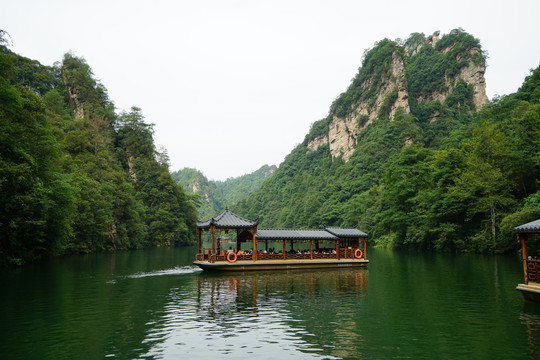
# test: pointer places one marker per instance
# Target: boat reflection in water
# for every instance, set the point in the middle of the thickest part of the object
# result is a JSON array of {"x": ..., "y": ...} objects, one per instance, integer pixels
[
  {"x": 266, "y": 315},
  {"x": 531, "y": 319}
]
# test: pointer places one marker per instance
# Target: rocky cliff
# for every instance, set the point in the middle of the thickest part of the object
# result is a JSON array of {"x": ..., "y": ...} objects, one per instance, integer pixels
[{"x": 391, "y": 73}]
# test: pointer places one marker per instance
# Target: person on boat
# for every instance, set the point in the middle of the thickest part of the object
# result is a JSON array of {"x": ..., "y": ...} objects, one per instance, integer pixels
[
  {"x": 250, "y": 252},
  {"x": 239, "y": 252},
  {"x": 218, "y": 247},
  {"x": 230, "y": 250}
]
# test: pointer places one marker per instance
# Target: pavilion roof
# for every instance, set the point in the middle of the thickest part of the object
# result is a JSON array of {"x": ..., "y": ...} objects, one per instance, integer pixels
[
  {"x": 294, "y": 234},
  {"x": 342, "y": 232},
  {"x": 531, "y": 227},
  {"x": 227, "y": 220}
]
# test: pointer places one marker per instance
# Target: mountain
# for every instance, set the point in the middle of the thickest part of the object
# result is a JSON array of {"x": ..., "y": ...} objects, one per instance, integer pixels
[
  {"x": 216, "y": 195},
  {"x": 75, "y": 176},
  {"x": 414, "y": 153}
]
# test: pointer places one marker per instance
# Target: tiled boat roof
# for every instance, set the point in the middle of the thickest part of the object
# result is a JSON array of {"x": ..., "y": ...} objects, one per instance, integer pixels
[
  {"x": 531, "y": 227},
  {"x": 294, "y": 234},
  {"x": 345, "y": 231},
  {"x": 227, "y": 220}
]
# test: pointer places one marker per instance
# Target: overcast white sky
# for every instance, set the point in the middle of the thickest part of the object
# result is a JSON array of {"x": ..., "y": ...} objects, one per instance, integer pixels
[{"x": 235, "y": 84}]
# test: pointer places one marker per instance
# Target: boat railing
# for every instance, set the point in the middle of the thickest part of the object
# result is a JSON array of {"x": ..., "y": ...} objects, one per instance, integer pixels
[
  {"x": 206, "y": 255},
  {"x": 533, "y": 270}
]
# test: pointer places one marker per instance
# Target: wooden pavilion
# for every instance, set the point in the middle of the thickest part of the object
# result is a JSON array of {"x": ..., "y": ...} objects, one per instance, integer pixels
[
  {"x": 347, "y": 246},
  {"x": 531, "y": 265}
]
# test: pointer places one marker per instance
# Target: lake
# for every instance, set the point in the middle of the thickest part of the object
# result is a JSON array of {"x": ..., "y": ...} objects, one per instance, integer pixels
[{"x": 153, "y": 304}]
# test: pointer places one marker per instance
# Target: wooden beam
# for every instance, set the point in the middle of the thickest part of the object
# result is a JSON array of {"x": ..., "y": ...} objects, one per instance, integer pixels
[
  {"x": 254, "y": 244},
  {"x": 311, "y": 248},
  {"x": 524, "y": 254},
  {"x": 213, "y": 231},
  {"x": 199, "y": 242},
  {"x": 365, "y": 257}
]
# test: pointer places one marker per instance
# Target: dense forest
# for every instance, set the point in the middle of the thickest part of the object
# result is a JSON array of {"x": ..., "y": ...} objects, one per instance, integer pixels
[
  {"x": 444, "y": 174},
  {"x": 421, "y": 162},
  {"x": 217, "y": 195},
  {"x": 75, "y": 175}
]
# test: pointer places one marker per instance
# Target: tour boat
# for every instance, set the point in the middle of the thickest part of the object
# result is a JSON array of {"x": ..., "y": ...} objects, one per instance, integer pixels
[
  {"x": 331, "y": 247},
  {"x": 531, "y": 265}
]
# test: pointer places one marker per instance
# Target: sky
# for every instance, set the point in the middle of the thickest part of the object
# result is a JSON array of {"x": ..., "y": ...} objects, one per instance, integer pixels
[{"x": 232, "y": 85}]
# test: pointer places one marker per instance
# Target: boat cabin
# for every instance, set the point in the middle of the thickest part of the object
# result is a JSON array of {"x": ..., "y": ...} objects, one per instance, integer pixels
[{"x": 531, "y": 265}]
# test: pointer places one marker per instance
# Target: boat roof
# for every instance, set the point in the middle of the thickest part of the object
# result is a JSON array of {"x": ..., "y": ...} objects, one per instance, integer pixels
[
  {"x": 531, "y": 227},
  {"x": 294, "y": 234},
  {"x": 345, "y": 231},
  {"x": 227, "y": 220}
]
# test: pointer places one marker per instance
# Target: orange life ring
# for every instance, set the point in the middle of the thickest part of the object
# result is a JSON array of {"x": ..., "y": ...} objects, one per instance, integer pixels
[
  {"x": 229, "y": 257},
  {"x": 358, "y": 253}
]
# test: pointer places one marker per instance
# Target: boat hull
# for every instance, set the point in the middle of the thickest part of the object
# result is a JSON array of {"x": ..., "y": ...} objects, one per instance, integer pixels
[
  {"x": 531, "y": 292},
  {"x": 245, "y": 265}
]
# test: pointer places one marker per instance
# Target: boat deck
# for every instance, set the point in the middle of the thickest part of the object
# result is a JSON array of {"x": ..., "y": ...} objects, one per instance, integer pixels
[
  {"x": 246, "y": 265},
  {"x": 530, "y": 291}
]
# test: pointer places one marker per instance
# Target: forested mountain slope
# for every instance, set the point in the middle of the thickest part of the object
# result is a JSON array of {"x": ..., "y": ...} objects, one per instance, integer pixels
[
  {"x": 216, "y": 195},
  {"x": 75, "y": 176},
  {"x": 414, "y": 154}
]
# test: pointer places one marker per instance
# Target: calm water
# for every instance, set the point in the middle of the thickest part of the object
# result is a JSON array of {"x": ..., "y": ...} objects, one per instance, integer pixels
[{"x": 153, "y": 304}]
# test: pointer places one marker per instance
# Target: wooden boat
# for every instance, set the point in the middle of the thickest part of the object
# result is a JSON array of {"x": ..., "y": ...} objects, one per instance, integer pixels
[
  {"x": 531, "y": 265},
  {"x": 348, "y": 246}
]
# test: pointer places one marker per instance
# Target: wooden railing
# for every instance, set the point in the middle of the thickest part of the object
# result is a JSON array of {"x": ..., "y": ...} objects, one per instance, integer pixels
[
  {"x": 533, "y": 270},
  {"x": 206, "y": 255}
]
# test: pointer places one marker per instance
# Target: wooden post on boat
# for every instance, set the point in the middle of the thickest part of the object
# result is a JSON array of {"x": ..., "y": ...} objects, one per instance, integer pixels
[
  {"x": 199, "y": 242},
  {"x": 311, "y": 248},
  {"x": 524, "y": 254},
  {"x": 213, "y": 231},
  {"x": 284, "y": 248},
  {"x": 337, "y": 250},
  {"x": 254, "y": 230},
  {"x": 365, "y": 248}
]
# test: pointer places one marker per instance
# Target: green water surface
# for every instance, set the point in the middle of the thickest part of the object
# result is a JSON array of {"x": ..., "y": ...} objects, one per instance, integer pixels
[{"x": 153, "y": 304}]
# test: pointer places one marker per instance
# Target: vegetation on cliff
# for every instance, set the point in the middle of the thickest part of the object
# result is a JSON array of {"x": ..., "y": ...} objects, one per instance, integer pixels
[
  {"x": 75, "y": 176},
  {"x": 214, "y": 196},
  {"x": 445, "y": 176}
]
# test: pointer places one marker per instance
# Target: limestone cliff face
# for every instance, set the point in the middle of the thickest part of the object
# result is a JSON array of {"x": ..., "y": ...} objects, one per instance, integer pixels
[
  {"x": 472, "y": 74},
  {"x": 343, "y": 131},
  {"x": 318, "y": 141},
  {"x": 392, "y": 94}
]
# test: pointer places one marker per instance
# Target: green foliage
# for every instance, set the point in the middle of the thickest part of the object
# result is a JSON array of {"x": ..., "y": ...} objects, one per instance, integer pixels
[
  {"x": 70, "y": 182},
  {"x": 362, "y": 120},
  {"x": 443, "y": 177},
  {"x": 34, "y": 195},
  {"x": 318, "y": 128},
  {"x": 216, "y": 195},
  {"x": 386, "y": 107},
  {"x": 375, "y": 68},
  {"x": 415, "y": 41},
  {"x": 433, "y": 67}
]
